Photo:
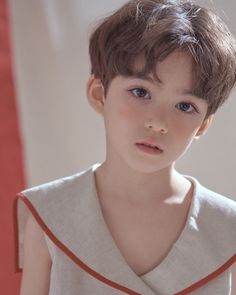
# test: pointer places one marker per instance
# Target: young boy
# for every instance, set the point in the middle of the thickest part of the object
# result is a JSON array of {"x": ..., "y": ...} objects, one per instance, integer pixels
[{"x": 133, "y": 224}]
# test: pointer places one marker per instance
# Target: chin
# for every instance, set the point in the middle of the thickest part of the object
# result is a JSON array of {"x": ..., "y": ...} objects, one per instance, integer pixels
[{"x": 147, "y": 167}]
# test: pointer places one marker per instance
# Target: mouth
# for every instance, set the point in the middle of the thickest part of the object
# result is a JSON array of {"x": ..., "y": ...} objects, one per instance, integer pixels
[
  {"x": 150, "y": 148},
  {"x": 149, "y": 144}
]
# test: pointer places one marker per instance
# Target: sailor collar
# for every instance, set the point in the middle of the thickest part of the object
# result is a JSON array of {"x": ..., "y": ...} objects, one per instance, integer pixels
[{"x": 69, "y": 212}]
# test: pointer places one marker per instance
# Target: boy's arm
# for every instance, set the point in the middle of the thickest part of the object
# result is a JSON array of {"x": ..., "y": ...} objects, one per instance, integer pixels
[
  {"x": 37, "y": 261},
  {"x": 234, "y": 279}
]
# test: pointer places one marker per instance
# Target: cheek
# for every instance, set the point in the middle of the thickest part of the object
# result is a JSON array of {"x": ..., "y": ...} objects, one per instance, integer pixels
[
  {"x": 128, "y": 113},
  {"x": 185, "y": 127},
  {"x": 120, "y": 118}
]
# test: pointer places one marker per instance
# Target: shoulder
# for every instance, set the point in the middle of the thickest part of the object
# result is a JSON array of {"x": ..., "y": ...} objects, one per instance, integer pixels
[
  {"x": 51, "y": 201},
  {"x": 214, "y": 221},
  {"x": 214, "y": 202},
  {"x": 55, "y": 184},
  {"x": 215, "y": 206},
  {"x": 218, "y": 202},
  {"x": 57, "y": 189},
  {"x": 215, "y": 214}
]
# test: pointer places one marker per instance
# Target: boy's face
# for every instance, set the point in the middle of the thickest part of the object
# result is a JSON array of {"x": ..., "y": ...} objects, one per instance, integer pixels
[{"x": 177, "y": 117}]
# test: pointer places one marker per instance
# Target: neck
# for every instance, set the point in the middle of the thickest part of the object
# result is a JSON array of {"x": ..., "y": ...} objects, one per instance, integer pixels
[{"x": 124, "y": 184}]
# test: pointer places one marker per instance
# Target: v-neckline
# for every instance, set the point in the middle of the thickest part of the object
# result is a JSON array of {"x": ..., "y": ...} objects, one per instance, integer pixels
[
  {"x": 171, "y": 253},
  {"x": 189, "y": 264}
]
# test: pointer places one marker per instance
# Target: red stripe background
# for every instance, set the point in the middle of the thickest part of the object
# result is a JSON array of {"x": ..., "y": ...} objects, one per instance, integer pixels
[{"x": 11, "y": 160}]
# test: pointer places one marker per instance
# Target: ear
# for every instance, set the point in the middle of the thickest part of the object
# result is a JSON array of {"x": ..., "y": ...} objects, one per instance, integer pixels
[
  {"x": 204, "y": 127},
  {"x": 95, "y": 94}
]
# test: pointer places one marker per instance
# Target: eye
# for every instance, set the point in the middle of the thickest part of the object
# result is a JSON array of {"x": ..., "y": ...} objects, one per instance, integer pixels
[
  {"x": 187, "y": 107},
  {"x": 140, "y": 93}
]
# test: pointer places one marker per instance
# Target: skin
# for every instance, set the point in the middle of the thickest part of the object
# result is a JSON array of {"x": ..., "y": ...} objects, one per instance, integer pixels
[
  {"x": 141, "y": 194},
  {"x": 37, "y": 261},
  {"x": 129, "y": 104},
  {"x": 151, "y": 183},
  {"x": 146, "y": 183},
  {"x": 234, "y": 279}
]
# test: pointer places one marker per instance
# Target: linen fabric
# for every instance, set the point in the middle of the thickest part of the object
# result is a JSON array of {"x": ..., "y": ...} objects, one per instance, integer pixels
[{"x": 86, "y": 259}]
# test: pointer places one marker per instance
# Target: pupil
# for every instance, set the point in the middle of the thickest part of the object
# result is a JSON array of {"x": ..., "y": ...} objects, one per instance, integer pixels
[
  {"x": 185, "y": 106},
  {"x": 142, "y": 92}
]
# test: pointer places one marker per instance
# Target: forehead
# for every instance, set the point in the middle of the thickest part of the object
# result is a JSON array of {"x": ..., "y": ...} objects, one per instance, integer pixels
[
  {"x": 177, "y": 68},
  {"x": 141, "y": 63}
]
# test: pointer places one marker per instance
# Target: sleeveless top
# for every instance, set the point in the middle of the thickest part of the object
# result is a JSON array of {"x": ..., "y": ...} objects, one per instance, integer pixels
[{"x": 87, "y": 261}]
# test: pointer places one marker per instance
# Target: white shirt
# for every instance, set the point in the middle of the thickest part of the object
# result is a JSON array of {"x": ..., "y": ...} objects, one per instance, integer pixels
[{"x": 86, "y": 259}]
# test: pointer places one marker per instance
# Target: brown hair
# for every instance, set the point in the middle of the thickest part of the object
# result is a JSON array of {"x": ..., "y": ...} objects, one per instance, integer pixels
[{"x": 154, "y": 29}]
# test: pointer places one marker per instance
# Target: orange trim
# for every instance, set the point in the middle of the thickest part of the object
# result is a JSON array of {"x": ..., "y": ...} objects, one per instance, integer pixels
[
  {"x": 69, "y": 253},
  {"x": 16, "y": 236},
  {"x": 73, "y": 257},
  {"x": 209, "y": 277}
]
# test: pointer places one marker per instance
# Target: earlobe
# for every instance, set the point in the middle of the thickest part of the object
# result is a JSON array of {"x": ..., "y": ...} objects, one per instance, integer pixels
[
  {"x": 95, "y": 94},
  {"x": 204, "y": 127}
]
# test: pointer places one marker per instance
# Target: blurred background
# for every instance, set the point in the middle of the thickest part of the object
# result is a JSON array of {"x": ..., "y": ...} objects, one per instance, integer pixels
[{"x": 47, "y": 128}]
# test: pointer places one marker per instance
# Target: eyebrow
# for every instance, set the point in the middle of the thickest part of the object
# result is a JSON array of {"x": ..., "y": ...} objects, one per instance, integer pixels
[
  {"x": 147, "y": 78},
  {"x": 158, "y": 80}
]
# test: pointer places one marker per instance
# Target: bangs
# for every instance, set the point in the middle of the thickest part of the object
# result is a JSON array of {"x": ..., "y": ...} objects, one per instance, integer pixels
[{"x": 151, "y": 30}]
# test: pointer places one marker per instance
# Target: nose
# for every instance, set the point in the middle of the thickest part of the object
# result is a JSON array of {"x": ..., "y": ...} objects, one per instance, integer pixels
[
  {"x": 157, "y": 123},
  {"x": 157, "y": 128}
]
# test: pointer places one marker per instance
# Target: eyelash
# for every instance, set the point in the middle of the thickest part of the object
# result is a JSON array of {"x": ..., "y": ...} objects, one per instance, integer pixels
[
  {"x": 138, "y": 88},
  {"x": 195, "y": 109}
]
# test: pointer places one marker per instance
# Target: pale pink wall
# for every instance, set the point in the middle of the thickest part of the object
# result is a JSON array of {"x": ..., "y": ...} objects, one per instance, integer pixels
[{"x": 62, "y": 133}]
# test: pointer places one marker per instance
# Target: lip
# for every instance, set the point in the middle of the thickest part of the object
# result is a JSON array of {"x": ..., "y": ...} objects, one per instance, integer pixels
[
  {"x": 150, "y": 142},
  {"x": 148, "y": 150}
]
